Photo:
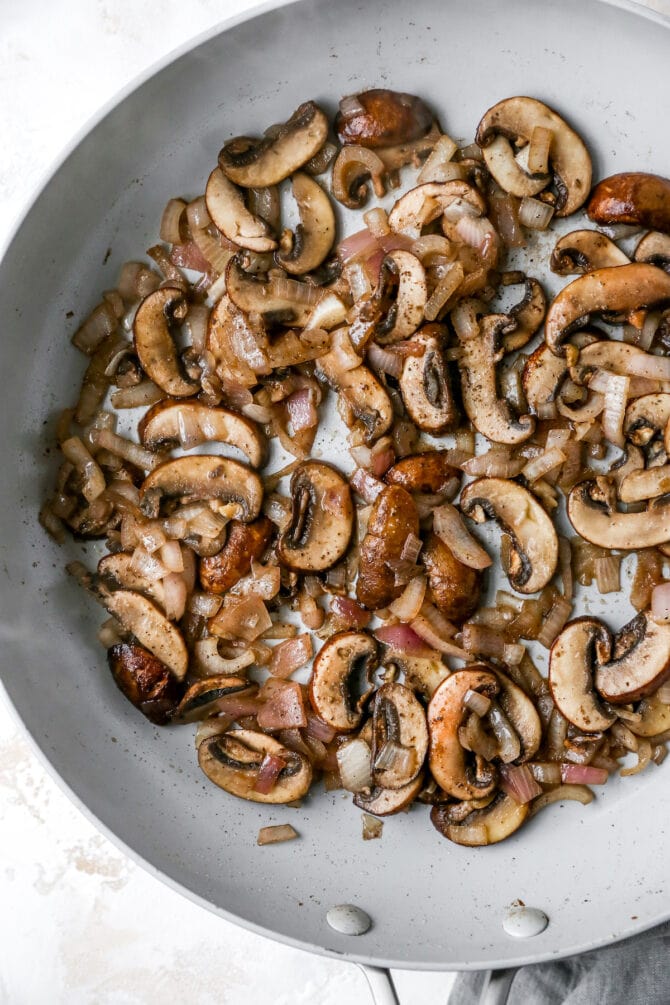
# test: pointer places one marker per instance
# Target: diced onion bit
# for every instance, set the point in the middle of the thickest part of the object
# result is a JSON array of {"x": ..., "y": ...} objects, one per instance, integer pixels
[
  {"x": 535, "y": 214},
  {"x": 519, "y": 782},
  {"x": 276, "y": 834},
  {"x": 372, "y": 827},
  {"x": 476, "y": 702},
  {"x": 354, "y": 765},
  {"x": 608, "y": 573}
]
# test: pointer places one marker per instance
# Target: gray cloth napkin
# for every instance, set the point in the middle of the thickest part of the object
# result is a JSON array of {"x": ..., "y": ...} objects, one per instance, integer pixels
[{"x": 633, "y": 972}]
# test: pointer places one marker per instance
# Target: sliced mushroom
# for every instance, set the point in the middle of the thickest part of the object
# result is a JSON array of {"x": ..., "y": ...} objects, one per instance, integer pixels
[
  {"x": 423, "y": 673},
  {"x": 392, "y": 519},
  {"x": 429, "y": 472},
  {"x": 489, "y": 414},
  {"x": 259, "y": 163},
  {"x": 515, "y": 119},
  {"x": 426, "y": 384},
  {"x": 425, "y": 203},
  {"x": 632, "y": 198},
  {"x": 201, "y": 698},
  {"x": 150, "y": 627},
  {"x": 315, "y": 233},
  {"x": 640, "y": 664},
  {"x": 206, "y": 476},
  {"x": 591, "y": 512},
  {"x": 654, "y": 717},
  {"x": 245, "y": 543},
  {"x": 622, "y": 358},
  {"x": 522, "y": 715},
  {"x": 528, "y": 315},
  {"x": 446, "y": 757},
  {"x": 616, "y": 291},
  {"x": 399, "y": 737},
  {"x": 632, "y": 459},
  {"x": 503, "y": 165},
  {"x": 233, "y": 761},
  {"x": 322, "y": 519},
  {"x": 582, "y": 645},
  {"x": 277, "y": 299},
  {"x": 382, "y": 118},
  {"x": 654, "y": 248},
  {"x": 394, "y": 310},
  {"x": 226, "y": 206},
  {"x": 145, "y": 681},
  {"x": 649, "y": 484},
  {"x": 116, "y": 572},
  {"x": 646, "y": 419},
  {"x": 386, "y": 802},
  {"x": 238, "y": 344},
  {"x": 362, "y": 398},
  {"x": 489, "y": 825},
  {"x": 455, "y": 588},
  {"x": 544, "y": 372},
  {"x": 341, "y": 681},
  {"x": 190, "y": 423},
  {"x": 534, "y": 543},
  {"x": 154, "y": 344},
  {"x": 584, "y": 251},
  {"x": 354, "y": 167}
]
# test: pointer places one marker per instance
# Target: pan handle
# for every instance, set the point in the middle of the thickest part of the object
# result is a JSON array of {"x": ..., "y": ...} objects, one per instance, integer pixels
[{"x": 495, "y": 992}]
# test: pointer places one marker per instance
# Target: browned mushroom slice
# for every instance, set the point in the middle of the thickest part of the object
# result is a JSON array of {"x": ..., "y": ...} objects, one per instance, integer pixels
[
  {"x": 426, "y": 384},
  {"x": 259, "y": 163},
  {"x": 364, "y": 400},
  {"x": 422, "y": 673},
  {"x": 235, "y": 762},
  {"x": 516, "y": 119},
  {"x": 190, "y": 423},
  {"x": 641, "y": 485},
  {"x": 245, "y": 542},
  {"x": 429, "y": 472},
  {"x": 150, "y": 627},
  {"x": 392, "y": 520},
  {"x": 654, "y": 248},
  {"x": 522, "y": 715},
  {"x": 386, "y": 802},
  {"x": 205, "y": 476},
  {"x": 489, "y": 825},
  {"x": 582, "y": 645},
  {"x": 534, "y": 543},
  {"x": 654, "y": 717},
  {"x": 277, "y": 298},
  {"x": 633, "y": 198},
  {"x": 527, "y": 314},
  {"x": 145, "y": 681},
  {"x": 425, "y": 203},
  {"x": 615, "y": 291},
  {"x": 226, "y": 206},
  {"x": 450, "y": 768},
  {"x": 584, "y": 251},
  {"x": 544, "y": 372},
  {"x": 640, "y": 661},
  {"x": 354, "y": 168},
  {"x": 201, "y": 698},
  {"x": 490, "y": 415},
  {"x": 455, "y": 587},
  {"x": 399, "y": 737},
  {"x": 394, "y": 310},
  {"x": 315, "y": 233},
  {"x": 154, "y": 344},
  {"x": 322, "y": 519},
  {"x": 382, "y": 118},
  {"x": 116, "y": 572},
  {"x": 646, "y": 420},
  {"x": 591, "y": 512},
  {"x": 341, "y": 680}
]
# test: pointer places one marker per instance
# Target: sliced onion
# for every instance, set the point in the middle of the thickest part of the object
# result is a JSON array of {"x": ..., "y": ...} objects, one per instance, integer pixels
[
  {"x": 99, "y": 325},
  {"x": 495, "y": 463},
  {"x": 644, "y": 755},
  {"x": 351, "y": 614},
  {"x": 275, "y": 834},
  {"x": 607, "y": 573},
  {"x": 268, "y": 773},
  {"x": 171, "y": 227},
  {"x": 479, "y": 233},
  {"x": 562, "y": 793},
  {"x": 302, "y": 410},
  {"x": 477, "y": 702},
  {"x": 376, "y": 220},
  {"x": 144, "y": 393},
  {"x": 583, "y": 774},
  {"x": 403, "y": 638},
  {"x": 318, "y": 729},
  {"x": 147, "y": 565},
  {"x": 539, "y": 466},
  {"x": 518, "y": 782},
  {"x": 546, "y": 772},
  {"x": 408, "y": 604},
  {"x": 362, "y": 245},
  {"x": 411, "y": 548},
  {"x": 445, "y": 289},
  {"x": 660, "y": 603},
  {"x": 289, "y": 656},
  {"x": 372, "y": 827},
  {"x": 366, "y": 485},
  {"x": 241, "y": 617},
  {"x": 509, "y": 745},
  {"x": 354, "y": 764},
  {"x": 93, "y": 480},
  {"x": 384, "y": 361},
  {"x": 125, "y": 449},
  {"x": 209, "y": 660},
  {"x": 171, "y": 556},
  {"x": 394, "y": 757},
  {"x": 436, "y": 639},
  {"x": 555, "y": 621},
  {"x": 535, "y": 214},
  {"x": 449, "y": 527},
  {"x": 175, "y": 595},
  {"x": 283, "y": 705},
  {"x": 483, "y": 641}
]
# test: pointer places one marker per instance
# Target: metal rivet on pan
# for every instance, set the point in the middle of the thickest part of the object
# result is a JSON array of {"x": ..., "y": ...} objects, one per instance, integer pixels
[
  {"x": 348, "y": 919},
  {"x": 523, "y": 922}
]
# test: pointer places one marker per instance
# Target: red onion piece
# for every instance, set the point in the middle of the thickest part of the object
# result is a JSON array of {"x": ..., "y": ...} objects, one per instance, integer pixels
[
  {"x": 583, "y": 774},
  {"x": 289, "y": 656},
  {"x": 302, "y": 411},
  {"x": 362, "y": 244},
  {"x": 284, "y": 706},
  {"x": 403, "y": 638},
  {"x": 518, "y": 782},
  {"x": 367, "y": 486},
  {"x": 189, "y": 256},
  {"x": 318, "y": 729},
  {"x": 268, "y": 773},
  {"x": 348, "y": 611}
]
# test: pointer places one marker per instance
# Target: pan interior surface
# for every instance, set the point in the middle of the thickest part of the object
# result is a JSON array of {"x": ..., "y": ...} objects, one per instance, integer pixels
[{"x": 596, "y": 871}]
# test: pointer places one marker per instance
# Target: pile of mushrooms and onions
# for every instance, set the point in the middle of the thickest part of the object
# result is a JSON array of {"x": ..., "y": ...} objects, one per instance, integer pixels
[{"x": 339, "y": 622}]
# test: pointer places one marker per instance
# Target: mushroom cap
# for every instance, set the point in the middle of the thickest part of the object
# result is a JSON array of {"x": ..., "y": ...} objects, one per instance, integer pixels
[
  {"x": 144, "y": 680},
  {"x": 582, "y": 644},
  {"x": 528, "y": 315},
  {"x": 245, "y": 542},
  {"x": 200, "y": 699},
  {"x": 315, "y": 233},
  {"x": 497, "y": 821},
  {"x": 398, "y": 717},
  {"x": 322, "y": 519},
  {"x": 164, "y": 424},
  {"x": 154, "y": 344},
  {"x": 596, "y": 521},
  {"x": 430, "y": 472},
  {"x": 226, "y": 207},
  {"x": 341, "y": 679},
  {"x": 207, "y": 476},
  {"x": 655, "y": 249},
  {"x": 641, "y": 661},
  {"x": 232, "y": 761},
  {"x": 454, "y": 586},
  {"x": 583, "y": 251},
  {"x": 150, "y": 627},
  {"x": 632, "y": 197},
  {"x": 386, "y": 119},
  {"x": 426, "y": 384},
  {"x": 515, "y": 119},
  {"x": 392, "y": 519},
  {"x": 534, "y": 547},
  {"x": 386, "y": 802}
]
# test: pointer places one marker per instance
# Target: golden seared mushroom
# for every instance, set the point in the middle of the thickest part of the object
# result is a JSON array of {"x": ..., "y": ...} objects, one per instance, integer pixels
[
  {"x": 156, "y": 316},
  {"x": 392, "y": 519},
  {"x": 245, "y": 543},
  {"x": 528, "y": 314},
  {"x": 365, "y": 404},
  {"x": 422, "y": 673},
  {"x": 455, "y": 588},
  {"x": 426, "y": 384},
  {"x": 256, "y": 163},
  {"x": 226, "y": 206},
  {"x": 460, "y": 776},
  {"x": 399, "y": 737},
  {"x": 633, "y": 198},
  {"x": 200, "y": 699},
  {"x": 583, "y": 251},
  {"x": 654, "y": 248},
  {"x": 206, "y": 476},
  {"x": 654, "y": 716},
  {"x": 645, "y": 423},
  {"x": 322, "y": 519},
  {"x": 394, "y": 310},
  {"x": 255, "y": 766},
  {"x": 354, "y": 168},
  {"x": 616, "y": 291},
  {"x": 591, "y": 511},
  {"x": 490, "y": 415},
  {"x": 544, "y": 373},
  {"x": 314, "y": 235},
  {"x": 275, "y": 298},
  {"x": 116, "y": 572},
  {"x": 425, "y": 203},
  {"x": 145, "y": 681},
  {"x": 522, "y": 715},
  {"x": 138, "y": 615},
  {"x": 382, "y": 118},
  {"x": 341, "y": 681},
  {"x": 485, "y": 826},
  {"x": 528, "y": 122},
  {"x": 430, "y": 472},
  {"x": 534, "y": 542},
  {"x": 190, "y": 423},
  {"x": 584, "y": 644},
  {"x": 640, "y": 661},
  {"x": 386, "y": 802}
]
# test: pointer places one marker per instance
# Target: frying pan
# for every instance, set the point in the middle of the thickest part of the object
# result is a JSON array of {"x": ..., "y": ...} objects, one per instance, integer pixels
[{"x": 594, "y": 871}]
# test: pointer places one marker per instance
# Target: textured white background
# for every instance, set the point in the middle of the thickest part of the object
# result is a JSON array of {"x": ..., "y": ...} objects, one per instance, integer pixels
[{"x": 79, "y": 922}]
